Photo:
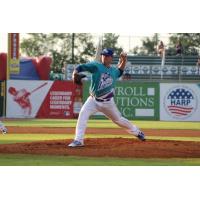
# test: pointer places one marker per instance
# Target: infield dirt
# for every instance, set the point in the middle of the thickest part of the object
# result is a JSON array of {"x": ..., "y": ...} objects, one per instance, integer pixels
[{"x": 108, "y": 147}]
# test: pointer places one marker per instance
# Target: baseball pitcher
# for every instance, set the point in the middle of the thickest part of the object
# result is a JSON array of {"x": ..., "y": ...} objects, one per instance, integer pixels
[{"x": 103, "y": 79}]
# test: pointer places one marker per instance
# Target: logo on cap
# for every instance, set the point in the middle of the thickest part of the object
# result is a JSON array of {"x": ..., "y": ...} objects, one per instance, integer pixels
[{"x": 107, "y": 52}]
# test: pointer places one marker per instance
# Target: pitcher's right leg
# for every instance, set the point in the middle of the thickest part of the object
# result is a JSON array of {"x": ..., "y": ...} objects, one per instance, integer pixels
[{"x": 87, "y": 110}]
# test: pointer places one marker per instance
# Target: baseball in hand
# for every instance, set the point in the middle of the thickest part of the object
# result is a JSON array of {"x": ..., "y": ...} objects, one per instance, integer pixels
[{"x": 123, "y": 55}]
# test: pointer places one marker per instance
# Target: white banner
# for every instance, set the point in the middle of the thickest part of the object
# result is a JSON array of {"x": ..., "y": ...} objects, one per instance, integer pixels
[
  {"x": 179, "y": 102},
  {"x": 24, "y": 98}
]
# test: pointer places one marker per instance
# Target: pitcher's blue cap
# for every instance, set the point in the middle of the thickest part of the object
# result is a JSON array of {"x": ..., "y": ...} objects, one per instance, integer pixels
[{"x": 107, "y": 52}]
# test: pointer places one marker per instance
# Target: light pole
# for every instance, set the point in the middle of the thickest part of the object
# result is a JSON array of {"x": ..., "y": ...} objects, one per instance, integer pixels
[{"x": 73, "y": 38}]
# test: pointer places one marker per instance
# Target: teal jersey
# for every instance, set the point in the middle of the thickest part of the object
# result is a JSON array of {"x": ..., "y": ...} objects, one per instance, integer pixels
[{"x": 103, "y": 78}]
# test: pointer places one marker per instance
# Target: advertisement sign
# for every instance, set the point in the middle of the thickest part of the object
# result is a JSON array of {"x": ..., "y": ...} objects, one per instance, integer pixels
[
  {"x": 40, "y": 99},
  {"x": 2, "y": 96},
  {"x": 135, "y": 100},
  {"x": 13, "y": 54},
  {"x": 180, "y": 102}
]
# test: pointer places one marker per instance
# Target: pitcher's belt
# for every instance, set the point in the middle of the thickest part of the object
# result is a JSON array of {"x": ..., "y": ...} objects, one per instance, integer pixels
[{"x": 100, "y": 100}]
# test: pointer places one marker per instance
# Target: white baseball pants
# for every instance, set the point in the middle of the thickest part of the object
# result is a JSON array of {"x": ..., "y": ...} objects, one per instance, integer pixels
[{"x": 110, "y": 110}]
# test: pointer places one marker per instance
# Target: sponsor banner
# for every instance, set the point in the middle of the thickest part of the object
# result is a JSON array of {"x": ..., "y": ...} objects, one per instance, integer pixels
[
  {"x": 40, "y": 99},
  {"x": 59, "y": 101},
  {"x": 179, "y": 102},
  {"x": 13, "y": 54},
  {"x": 135, "y": 100},
  {"x": 2, "y": 96}
]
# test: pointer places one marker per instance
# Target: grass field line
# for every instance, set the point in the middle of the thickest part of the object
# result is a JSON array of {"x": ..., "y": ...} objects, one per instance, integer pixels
[{"x": 102, "y": 124}]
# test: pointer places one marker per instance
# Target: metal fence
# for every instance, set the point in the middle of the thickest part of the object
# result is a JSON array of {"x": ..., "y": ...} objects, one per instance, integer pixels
[
  {"x": 149, "y": 72},
  {"x": 170, "y": 72}
]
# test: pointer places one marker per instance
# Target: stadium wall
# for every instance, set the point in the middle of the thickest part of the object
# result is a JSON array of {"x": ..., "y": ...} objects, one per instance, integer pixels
[{"x": 135, "y": 100}]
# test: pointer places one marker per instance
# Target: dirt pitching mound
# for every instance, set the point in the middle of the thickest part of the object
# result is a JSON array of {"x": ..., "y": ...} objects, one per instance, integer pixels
[{"x": 115, "y": 147}]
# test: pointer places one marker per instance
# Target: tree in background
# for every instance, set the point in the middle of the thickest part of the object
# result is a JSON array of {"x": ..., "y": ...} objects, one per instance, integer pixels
[
  {"x": 135, "y": 50},
  {"x": 110, "y": 40},
  {"x": 84, "y": 47},
  {"x": 59, "y": 47},
  {"x": 190, "y": 43},
  {"x": 149, "y": 46}
]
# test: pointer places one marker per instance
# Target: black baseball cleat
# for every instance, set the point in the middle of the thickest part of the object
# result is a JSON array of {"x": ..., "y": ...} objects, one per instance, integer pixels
[{"x": 141, "y": 136}]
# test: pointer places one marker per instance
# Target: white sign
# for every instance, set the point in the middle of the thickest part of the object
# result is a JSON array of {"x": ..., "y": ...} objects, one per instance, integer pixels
[
  {"x": 179, "y": 102},
  {"x": 24, "y": 98},
  {"x": 144, "y": 112}
]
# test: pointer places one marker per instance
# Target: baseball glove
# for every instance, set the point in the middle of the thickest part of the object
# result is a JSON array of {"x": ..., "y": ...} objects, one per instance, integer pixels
[{"x": 77, "y": 78}]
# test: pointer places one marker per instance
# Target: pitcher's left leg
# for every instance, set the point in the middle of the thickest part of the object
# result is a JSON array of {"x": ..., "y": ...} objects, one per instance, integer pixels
[{"x": 111, "y": 111}]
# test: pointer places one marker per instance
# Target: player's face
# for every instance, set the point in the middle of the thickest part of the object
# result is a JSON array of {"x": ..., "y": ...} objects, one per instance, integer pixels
[{"x": 106, "y": 60}]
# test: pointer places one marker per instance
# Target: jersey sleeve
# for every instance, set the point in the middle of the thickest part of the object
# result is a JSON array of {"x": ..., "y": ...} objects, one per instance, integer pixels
[
  {"x": 118, "y": 72},
  {"x": 90, "y": 67}
]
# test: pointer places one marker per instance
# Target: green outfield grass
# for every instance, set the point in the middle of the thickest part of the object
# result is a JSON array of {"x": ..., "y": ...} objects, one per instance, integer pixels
[
  {"x": 102, "y": 124},
  {"x": 41, "y": 160}
]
